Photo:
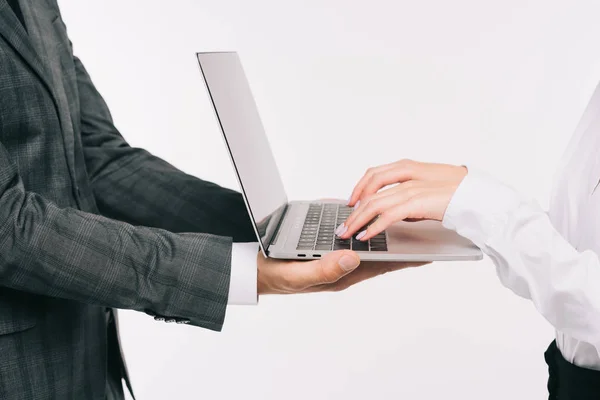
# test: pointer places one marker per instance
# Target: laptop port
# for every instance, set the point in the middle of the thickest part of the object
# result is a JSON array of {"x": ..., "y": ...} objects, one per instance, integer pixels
[
  {"x": 301, "y": 255},
  {"x": 316, "y": 255}
]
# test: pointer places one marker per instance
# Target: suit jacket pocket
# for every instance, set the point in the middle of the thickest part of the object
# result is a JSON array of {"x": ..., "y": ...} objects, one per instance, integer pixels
[{"x": 17, "y": 313}]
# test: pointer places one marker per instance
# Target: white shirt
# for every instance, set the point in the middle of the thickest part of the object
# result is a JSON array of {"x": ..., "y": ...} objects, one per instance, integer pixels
[
  {"x": 243, "y": 289},
  {"x": 550, "y": 258}
]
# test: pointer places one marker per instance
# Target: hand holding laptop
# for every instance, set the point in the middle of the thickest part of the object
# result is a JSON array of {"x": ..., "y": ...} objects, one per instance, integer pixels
[
  {"x": 334, "y": 272},
  {"x": 421, "y": 191}
]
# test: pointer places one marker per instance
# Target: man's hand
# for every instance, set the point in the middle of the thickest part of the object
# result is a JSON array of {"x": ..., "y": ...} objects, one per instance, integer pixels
[{"x": 334, "y": 272}]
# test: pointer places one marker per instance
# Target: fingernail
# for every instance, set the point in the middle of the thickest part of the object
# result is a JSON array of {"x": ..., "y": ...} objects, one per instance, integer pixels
[
  {"x": 357, "y": 204},
  {"x": 348, "y": 263},
  {"x": 341, "y": 229},
  {"x": 361, "y": 235},
  {"x": 349, "y": 198}
]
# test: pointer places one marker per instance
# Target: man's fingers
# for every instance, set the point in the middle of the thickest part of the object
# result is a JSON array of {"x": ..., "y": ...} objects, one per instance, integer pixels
[
  {"x": 366, "y": 271},
  {"x": 329, "y": 269},
  {"x": 338, "y": 264}
]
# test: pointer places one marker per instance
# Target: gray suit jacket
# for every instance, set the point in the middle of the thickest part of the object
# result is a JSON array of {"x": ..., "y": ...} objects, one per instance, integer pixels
[{"x": 89, "y": 223}]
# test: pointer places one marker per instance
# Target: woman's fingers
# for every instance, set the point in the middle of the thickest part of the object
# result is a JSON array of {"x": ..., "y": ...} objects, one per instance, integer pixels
[
  {"x": 389, "y": 217},
  {"x": 403, "y": 171},
  {"x": 424, "y": 191},
  {"x": 398, "y": 172},
  {"x": 375, "y": 208},
  {"x": 427, "y": 201},
  {"x": 384, "y": 221},
  {"x": 359, "y": 207},
  {"x": 355, "y": 196},
  {"x": 378, "y": 180}
]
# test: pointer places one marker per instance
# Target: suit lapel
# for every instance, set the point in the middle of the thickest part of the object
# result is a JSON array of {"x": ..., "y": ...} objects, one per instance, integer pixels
[
  {"x": 13, "y": 32},
  {"x": 40, "y": 19}
]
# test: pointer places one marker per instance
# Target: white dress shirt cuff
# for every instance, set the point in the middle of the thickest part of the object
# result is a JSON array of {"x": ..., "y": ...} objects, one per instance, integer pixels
[
  {"x": 480, "y": 205},
  {"x": 242, "y": 286}
]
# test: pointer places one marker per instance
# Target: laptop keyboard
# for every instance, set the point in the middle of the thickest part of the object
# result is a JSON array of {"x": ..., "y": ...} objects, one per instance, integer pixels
[{"x": 318, "y": 232}]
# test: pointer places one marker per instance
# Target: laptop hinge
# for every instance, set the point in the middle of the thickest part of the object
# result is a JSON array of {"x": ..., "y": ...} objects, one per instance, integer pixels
[{"x": 278, "y": 227}]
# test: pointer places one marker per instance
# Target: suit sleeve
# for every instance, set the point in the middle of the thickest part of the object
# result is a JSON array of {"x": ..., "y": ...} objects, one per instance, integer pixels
[
  {"x": 70, "y": 254},
  {"x": 132, "y": 185}
]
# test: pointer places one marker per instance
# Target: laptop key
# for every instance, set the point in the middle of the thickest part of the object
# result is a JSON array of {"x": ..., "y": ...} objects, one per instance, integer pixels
[
  {"x": 342, "y": 241},
  {"x": 340, "y": 246},
  {"x": 360, "y": 246}
]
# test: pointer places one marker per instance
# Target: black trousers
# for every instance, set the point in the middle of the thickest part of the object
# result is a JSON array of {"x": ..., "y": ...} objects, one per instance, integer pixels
[
  {"x": 114, "y": 389},
  {"x": 114, "y": 364},
  {"x": 568, "y": 381}
]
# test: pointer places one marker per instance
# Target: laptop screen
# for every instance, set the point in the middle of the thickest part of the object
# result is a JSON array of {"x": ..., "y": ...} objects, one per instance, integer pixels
[{"x": 246, "y": 141}]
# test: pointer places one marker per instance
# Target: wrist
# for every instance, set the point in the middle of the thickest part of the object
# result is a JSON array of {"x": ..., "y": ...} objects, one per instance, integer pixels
[{"x": 262, "y": 285}]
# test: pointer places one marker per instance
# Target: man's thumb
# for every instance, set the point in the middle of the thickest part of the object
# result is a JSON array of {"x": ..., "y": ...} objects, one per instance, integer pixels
[{"x": 339, "y": 263}]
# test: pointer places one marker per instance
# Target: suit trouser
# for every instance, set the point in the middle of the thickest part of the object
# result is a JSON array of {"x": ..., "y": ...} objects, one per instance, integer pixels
[
  {"x": 114, "y": 367},
  {"x": 114, "y": 389}
]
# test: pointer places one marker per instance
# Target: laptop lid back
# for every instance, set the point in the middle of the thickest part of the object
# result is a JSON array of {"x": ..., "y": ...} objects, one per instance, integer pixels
[{"x": 246, "y": 141}]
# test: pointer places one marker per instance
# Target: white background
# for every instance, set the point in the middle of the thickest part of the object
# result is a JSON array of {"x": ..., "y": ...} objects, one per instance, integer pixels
[{"x": 343, "y": 85}]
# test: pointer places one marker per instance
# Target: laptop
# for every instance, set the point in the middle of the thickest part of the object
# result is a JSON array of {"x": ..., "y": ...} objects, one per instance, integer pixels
[{"x": 303, "y": 230}]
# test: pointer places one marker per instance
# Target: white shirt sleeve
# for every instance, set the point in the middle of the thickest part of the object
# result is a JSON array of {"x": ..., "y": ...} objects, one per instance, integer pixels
[
  {"x": 243, "y": 286},
  {"x": 531, "y": 257}
]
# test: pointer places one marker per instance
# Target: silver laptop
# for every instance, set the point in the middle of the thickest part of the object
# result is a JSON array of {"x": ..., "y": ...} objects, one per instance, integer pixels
[{"x": 300, "y": 229}]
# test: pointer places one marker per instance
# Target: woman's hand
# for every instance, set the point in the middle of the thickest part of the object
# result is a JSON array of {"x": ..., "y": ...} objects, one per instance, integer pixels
[{"x": 423, "y": 191}]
